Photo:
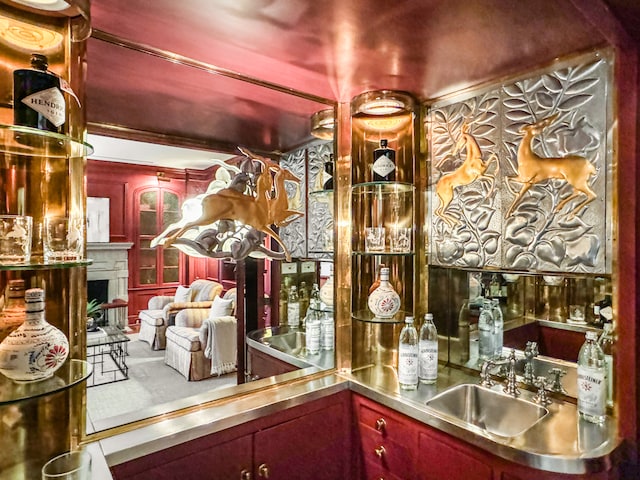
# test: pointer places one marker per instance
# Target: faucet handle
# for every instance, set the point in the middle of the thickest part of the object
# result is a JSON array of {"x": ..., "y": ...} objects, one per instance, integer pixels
[
  {"x": 485, "y": 376},
  {"x": 556, "y": 384},
  {"x": 531, "y": 350},
  {"x": 541, "y": 397}
]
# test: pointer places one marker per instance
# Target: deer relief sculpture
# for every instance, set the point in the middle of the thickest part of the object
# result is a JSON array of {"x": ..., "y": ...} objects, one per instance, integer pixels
[
  {"x": 259, "y": 211},
  {"x": 471, "y": 170},
  {"x": 532, "y": 169}
]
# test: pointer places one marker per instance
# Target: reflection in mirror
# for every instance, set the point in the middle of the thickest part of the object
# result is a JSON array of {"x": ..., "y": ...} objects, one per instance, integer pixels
[
  {"x": 137, "y": 379},
  {"x": 544, "y": 318}
]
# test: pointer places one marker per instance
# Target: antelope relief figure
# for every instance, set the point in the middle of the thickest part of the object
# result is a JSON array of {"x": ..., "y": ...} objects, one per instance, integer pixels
[
  {"x": 533, "y": 169},
  {"x": 471, "y": 169},
  {"x": 258, "y": 211}
]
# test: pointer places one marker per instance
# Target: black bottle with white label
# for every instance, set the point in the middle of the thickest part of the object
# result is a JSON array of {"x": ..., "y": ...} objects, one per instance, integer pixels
[
  {"x": 328, "y": 174},
  {"x": 38, "y": 101},
  {"x": 384, "y": 163}
]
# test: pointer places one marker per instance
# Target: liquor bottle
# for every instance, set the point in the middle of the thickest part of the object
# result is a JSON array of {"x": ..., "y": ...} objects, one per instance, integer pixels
[
  {"x": 328, "y": 174},
  {"x": 428, "y": 351},
  {"x": 313, "y": 331},
  {"x": 326, "y": 291},
  {"x": 314, "y": 297},
  {"x": 327, "y": 332},
  {"x": 13, "y": 312},
  {"x": 303, "y": 296},
  {"x": 384, "y": 301},
  {"x": 408, "y": 356},
  {"x": 498, "y": 327},
  {"x": 603, "y": 311},
  {"x": 36, "y": 349},
  {"x": 486, "y": 329},
  {"x": 283, "y": 305},
  {"x": 592, "y": 381},
  {"x": 606, "y": 343},
  {"x": 38, "y": 101},
  {"x": 384, "y": 163},
  {"x": 293, "y": 308}
]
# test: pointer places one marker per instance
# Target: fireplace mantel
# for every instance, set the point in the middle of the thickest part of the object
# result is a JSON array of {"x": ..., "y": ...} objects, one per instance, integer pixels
[{"x": 110, "y": 262}]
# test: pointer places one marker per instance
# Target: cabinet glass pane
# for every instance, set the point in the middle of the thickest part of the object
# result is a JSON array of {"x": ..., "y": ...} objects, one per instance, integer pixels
[
  {"x": 170, "y": 274},
  {"x": 148, "y": 223},
  {"x": 169, "y": 217},
  {"x": 149, "y": 201},
  {"x": 170, "y": 202},
  {"x": 147, "y": 276},
  {"x": 147, "y": 257}
]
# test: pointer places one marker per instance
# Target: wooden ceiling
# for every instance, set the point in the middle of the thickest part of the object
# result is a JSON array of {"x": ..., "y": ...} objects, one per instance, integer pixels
[{"x": 154, "y": 67}]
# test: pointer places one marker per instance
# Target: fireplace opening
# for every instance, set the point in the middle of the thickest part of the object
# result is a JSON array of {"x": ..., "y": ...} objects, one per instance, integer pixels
[{"x": 98, "y": 290}]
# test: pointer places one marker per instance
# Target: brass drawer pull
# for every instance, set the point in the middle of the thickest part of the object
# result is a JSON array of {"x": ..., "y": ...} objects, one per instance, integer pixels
[
  {"x": 263, "y": 470},
  {"x": 381, "y": 425},
  {"x": 245, "y": 475},
  {"x": 380, "y": 451}
]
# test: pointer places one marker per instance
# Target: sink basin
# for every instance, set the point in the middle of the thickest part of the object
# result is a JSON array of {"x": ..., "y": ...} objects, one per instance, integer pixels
[
  {"x": 488, "y": 410},
  {"x": 290, "y": 342}
]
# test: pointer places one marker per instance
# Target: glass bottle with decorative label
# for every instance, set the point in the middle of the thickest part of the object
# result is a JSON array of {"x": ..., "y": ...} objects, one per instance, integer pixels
[
  {"x": 498, "y": 327},
  {"x": 327, "y": 332},
  {"x": 38, "y": 101},
  {"x": 328, "y": 174},
  {"x": 428, "y": 351},
  {"x": 592, "y": 380},
  {"x": 283, "y": 305},
  {"x": 384, "y": 163},
  {"x": 313, "y": 331},
  {"x": 486, "y": 333},
  {"x": 408, "y": 363},
  {"x": 293, "y": 308},
  {"x": 606, "y": 343},
  {"x": 384, "y": 301}
]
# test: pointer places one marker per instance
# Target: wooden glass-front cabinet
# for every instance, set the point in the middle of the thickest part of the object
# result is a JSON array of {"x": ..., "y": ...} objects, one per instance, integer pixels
[{"x": 157, "y": 208}]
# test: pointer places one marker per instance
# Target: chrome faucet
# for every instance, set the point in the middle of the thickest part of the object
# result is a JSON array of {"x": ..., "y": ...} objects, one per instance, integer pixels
[
  {"x": 510, "y": 386},
  {"x": 530, "y": 352}
]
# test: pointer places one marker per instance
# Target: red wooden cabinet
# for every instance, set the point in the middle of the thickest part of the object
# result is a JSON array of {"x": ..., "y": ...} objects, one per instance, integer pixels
[
  {"x": 309, "y": 441},
  {"x": 262, "y": 365}
]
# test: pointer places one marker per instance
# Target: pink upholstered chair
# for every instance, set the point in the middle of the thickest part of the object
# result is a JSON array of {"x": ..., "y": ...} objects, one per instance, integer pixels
[{"x": 163, "y": 310}]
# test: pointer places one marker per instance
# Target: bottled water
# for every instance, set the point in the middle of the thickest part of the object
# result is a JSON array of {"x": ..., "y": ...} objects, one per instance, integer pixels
[
  {"x": 293, "y": 308},
  {"x": 408, "y": 356},
  {"x": 327, "y": 334},
  {"x": 498, "y": 327},
  {"x": 606, "y": 342},
  {"x": 428, "y": 351},
  {"x": 486, "y": 330},
  {"x": 592, "y": 380},
  {"x": 312, "y": 333}
]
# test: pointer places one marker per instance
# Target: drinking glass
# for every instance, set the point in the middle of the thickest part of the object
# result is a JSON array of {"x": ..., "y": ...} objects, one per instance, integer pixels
[
  {"x": 68, "y": 466},
  {"x": 400, "y": 239},
  {"x": 374, "y": 240},
  {"x": 63, "y": 239},
  {"x": 15, "y": 239},
  {"x": 576, "y": 313}
]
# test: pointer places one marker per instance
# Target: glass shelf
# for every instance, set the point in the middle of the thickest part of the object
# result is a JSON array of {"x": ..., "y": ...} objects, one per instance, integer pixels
[
  {"x": 321, "y": 193},
  {"x": 385, "y": 254},
  {"x": 367, "y": 316},
  {"x": 32, "y": 142},
  {"x": 323, "y": 308},
  {"x": 71, "y": 373},
  {"x": 382, "y": 188},
  {"x": 44, "y": 265}
]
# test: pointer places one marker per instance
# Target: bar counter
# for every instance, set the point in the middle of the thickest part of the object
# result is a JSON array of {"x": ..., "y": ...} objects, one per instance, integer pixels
[{"x": 558, "y": 443}]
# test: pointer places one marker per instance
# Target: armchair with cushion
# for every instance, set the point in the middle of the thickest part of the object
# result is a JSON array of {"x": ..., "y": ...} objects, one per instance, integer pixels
[
  {"x": 163, "y": 309},
  {"x": 203, "y": 343}
]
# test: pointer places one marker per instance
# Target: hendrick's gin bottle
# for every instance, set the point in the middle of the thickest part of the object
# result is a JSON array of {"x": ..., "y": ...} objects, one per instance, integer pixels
[
  {"x": 328, "y": 174},
  {"x": 38, "y": 101},
  {"x": 384, "y": 163}
]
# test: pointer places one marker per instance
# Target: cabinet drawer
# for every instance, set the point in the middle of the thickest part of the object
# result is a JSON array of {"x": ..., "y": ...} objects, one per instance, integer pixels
[
  {"x": 383, "y": 422},
  {"x": 387, "y": 455},
  {"x": 373, "y": 471}
]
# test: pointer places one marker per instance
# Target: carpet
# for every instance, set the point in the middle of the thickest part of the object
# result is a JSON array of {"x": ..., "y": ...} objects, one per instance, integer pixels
[{"x": 150, "y": 383}]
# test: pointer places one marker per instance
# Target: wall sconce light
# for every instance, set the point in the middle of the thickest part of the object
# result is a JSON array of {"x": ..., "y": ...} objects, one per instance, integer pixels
[
  {"x": 28, "y": 37},
  {"x": 162, "y": 177},
  {"x": 383, "y": 110},
  {"x": 50, "y": 5},
  {"x": 323, "y": 124}
]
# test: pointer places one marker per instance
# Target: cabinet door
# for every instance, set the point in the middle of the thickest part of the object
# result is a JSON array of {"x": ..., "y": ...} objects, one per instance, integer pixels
[
  {"x": 314, "y": 446},
  {"x": 438, "y": 459},
  {"x": 223, "y": 461}
]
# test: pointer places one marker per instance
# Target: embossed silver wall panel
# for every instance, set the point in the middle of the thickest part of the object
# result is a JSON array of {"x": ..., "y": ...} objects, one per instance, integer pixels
[
  {"x": 320, "y": 204},
  {"x": 294, "y": 235},
  {"x": 550, "y": 209}
]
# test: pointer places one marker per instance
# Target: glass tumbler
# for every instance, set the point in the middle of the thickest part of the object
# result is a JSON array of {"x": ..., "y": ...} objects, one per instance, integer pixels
[
  {"x": 15, "y": 239},
  {"x": 68, "y": 466}
]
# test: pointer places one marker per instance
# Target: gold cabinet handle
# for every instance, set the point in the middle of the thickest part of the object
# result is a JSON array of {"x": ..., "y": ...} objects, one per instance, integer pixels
[
  {"x": 381, "y": 425},
  {"x": 263, "y": 470},
  {"x": 245, "y": 475},
  {"x": 380, "y": 451}
]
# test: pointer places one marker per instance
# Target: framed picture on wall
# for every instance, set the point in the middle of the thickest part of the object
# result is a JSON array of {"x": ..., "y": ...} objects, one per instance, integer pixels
[{"x": 97, "y": 220}]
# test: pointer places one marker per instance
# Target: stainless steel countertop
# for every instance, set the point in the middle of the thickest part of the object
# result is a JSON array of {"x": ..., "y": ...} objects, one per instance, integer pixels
[{"x": 559, "y": 443}]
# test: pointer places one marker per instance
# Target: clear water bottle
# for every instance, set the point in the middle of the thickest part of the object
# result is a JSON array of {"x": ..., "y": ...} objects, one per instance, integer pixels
[
  {"x": 498, "y": 327},
  {"x": 428, "y": 351},
  {"x": 314, "y": 297},
  {"x": 408, "y": 356},
  {"x": 592, "y": 380},
  {"x": 312, "y": 333},
  {"x": 293, "y": 308},
  {"x": 327, "y": 333},
  {"x": 486, "y": 330},
  {"x": 606, "y": 342}
]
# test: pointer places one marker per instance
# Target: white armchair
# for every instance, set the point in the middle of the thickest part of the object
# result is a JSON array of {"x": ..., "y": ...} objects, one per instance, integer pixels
[
  {"x": 200, "y": 345},
  {"x": 163, "y": 310}
]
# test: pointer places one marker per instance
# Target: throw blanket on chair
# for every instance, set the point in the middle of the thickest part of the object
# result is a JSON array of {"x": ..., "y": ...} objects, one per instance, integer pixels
[{"x": 218, "y": 337}]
